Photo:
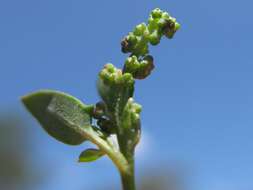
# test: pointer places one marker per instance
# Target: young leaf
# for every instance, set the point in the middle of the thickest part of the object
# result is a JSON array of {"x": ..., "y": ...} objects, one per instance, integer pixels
[
  {"x": 63, "y": 116},
  {"x": 90, "y": 155}
]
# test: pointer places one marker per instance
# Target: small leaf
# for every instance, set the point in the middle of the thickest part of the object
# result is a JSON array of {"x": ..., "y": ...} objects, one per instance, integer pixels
[
  {"x": 63, "y": 116},
  {"x": 90, "y": 155}
]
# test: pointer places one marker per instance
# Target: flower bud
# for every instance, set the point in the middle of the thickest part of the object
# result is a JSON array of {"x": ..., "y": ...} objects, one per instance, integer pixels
[
  {"x": 156, "y": 13},
  {"x": 111, "y": 86},
  {"x": 155, "y": 38},
  {"x": 125, "y": 45},
  {"x": 170, "y": 27},
  {"x": 140, "y": 29},
  {"x": 139, "y": 69},
  {"x": 152, "y": 24}
]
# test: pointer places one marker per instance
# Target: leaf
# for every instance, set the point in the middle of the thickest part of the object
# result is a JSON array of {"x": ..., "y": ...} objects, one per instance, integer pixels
[
  {"x": 90, "y": 155},
  {"x": 62, "y": 116}
]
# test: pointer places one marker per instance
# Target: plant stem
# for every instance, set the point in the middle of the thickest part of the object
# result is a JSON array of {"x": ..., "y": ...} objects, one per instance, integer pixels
[
  {"x": 118, "y": 158},
  {"x": 128, "y": 179}
]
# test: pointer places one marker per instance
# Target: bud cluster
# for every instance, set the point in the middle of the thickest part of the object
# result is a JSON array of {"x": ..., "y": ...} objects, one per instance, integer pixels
[
  {"x": 140, "y": 64},
  {"x": 131, "y": 122},
  {"x": 161, "y": 23},
  {"x": 115, "y": 88},
  {"x": 140, "y": 69},
  {"x": 136, "y": 42},
  {"x": 133, "y": 109},
  {"x": 113, "y": 76}
]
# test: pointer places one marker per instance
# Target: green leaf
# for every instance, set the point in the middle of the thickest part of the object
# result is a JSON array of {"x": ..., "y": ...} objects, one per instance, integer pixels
[
  {"x": 62, "y": 116},
  {"x": 90, "y": 155}
]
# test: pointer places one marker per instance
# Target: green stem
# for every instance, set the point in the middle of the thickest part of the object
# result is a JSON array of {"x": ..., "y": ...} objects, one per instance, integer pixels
[
  {"x": 117, "y": 157},
  {"x": 128, "y": 179}
]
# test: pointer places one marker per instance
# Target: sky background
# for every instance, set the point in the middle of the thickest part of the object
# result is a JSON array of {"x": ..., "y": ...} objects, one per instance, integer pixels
[{"x": 197, "y": 104}]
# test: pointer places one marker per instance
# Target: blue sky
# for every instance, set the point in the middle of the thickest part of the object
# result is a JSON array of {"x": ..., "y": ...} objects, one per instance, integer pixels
[{"x": 197, "y": 104}]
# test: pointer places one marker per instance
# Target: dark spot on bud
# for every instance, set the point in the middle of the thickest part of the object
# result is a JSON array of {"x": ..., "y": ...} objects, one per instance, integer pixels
[
  {"x": 169, "y": 27},
  {"x": 126, "y": 45},
  {"x": 142, "y": 74}
]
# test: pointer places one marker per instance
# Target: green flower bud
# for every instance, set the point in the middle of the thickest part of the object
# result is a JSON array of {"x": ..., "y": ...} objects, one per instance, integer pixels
[
  {"x": 177, "y": 26},
  {"x": 162, "y": 22},
  {"x": 165, "y": 15},
  {"x": 155, "y": 38},
  {"x": 132, "y": 39},
  {"x": 139, "y": 69},
  {"x": 137, "y": 108},
  {"x": 144, "y": 50},
  {"x": 152, "y": 25},
  {"x": 140, "y": 29},
  {"x": 127, "y": 78},
  {"x": 110, "y": 68},
  {"x": 131, "y": 65},
  {"x": 156, "y": 13}
]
